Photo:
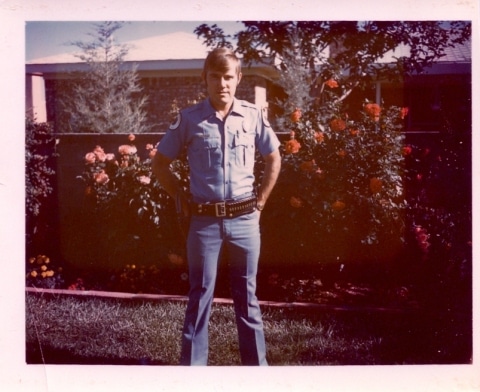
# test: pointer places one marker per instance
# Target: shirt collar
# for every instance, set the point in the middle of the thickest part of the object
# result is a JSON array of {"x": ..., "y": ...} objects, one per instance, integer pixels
[{"x": 237, "y": 108}]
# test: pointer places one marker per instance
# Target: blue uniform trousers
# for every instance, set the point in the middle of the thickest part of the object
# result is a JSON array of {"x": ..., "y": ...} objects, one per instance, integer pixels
[{"x": 241, "y": 237}]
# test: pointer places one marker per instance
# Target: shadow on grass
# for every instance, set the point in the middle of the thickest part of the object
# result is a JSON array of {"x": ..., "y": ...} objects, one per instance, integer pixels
[
  {"x": 411, "y": 340},
  {"x": 56, "y": 356}
]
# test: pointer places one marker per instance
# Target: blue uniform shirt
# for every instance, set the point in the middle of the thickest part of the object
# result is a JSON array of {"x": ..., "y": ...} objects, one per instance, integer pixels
[{"x": 221, "y": 153}]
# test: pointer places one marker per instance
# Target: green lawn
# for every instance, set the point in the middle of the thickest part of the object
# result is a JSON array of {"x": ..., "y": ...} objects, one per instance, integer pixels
[{"x": 86, "y": 330}]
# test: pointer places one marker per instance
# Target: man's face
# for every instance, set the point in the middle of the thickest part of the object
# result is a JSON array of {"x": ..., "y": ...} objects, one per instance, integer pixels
[{"x": 221, "y": 86}]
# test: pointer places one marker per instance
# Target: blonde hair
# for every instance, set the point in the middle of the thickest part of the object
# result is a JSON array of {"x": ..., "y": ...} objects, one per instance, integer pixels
[{"x": 218, "y": 60}]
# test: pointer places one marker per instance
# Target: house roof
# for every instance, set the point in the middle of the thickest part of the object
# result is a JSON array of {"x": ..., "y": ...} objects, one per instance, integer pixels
[
  {"x": 459, "y": 53},
  {"x": 174, "y": 46},
  {"x": 182, "y": 51}
]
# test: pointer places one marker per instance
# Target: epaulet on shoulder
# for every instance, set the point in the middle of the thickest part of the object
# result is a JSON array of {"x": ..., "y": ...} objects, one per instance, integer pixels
[
  {"x": 248, "y": 104},
  {"x": 264, "y": 111}
]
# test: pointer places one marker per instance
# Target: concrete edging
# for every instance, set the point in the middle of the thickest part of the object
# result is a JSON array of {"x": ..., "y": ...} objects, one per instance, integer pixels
[{"x": 220, "y": 301}]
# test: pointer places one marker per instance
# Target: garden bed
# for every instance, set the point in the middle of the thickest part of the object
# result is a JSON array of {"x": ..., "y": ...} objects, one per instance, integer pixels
[{"x": 325, "y": 289}]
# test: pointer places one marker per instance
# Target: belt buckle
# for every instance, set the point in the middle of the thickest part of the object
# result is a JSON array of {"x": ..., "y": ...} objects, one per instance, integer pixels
[{"x": 220, "y": 209}]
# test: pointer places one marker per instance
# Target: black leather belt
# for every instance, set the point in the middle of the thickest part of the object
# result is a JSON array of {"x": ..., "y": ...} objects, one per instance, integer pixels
[{"x": 226, "y": 209}]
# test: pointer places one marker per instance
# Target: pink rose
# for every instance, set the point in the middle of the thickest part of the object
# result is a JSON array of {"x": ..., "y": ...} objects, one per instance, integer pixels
[
  {"x": 90, "y": 158},
  {"x": 145, "y": 180}
]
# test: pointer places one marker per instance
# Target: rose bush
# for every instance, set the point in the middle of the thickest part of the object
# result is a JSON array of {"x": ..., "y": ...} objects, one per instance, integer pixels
[
  {"x": 131, "y": 216},
  {"x": 341, "y": 187}
]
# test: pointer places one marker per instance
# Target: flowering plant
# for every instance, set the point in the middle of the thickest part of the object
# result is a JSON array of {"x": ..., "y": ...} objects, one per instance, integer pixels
[
  {"x": 341, "y": 187},
  {"x": 42, "y": 273},
  {"x": 439, "y": 211},
  {"x": 342, "y": 179},
  {"x": 39, "y": 174},
  {"x": 135, "y": 212}
]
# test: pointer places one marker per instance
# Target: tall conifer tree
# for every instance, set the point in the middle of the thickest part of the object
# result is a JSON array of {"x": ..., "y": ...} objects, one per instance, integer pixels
[{"x": 107, "y": 97}]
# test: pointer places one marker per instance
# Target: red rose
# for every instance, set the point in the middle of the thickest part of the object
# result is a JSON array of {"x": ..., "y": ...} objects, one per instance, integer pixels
[
  {"x": 292, "y": 146},
  {"x": 407, "y": 150},
  {"x": 332, "y": 83},
  {"x": 296, "y": 115},
  {"x": 337, "y": 125},
  {"x": 319, "y": 137},
  {"x": 373, "y": 110}
]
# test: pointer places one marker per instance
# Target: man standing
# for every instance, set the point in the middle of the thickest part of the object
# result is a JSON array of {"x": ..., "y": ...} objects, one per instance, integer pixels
[{"x": 221, "y": 136}]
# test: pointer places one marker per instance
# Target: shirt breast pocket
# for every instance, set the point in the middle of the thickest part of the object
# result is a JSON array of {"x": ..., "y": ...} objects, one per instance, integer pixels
[
  {"x": 244, "y": 147},
  {"x": 206, "y": 154}
]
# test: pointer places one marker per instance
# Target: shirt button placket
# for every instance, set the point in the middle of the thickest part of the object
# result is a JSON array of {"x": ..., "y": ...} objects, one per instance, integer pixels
[{"x": 227, "y": 162}]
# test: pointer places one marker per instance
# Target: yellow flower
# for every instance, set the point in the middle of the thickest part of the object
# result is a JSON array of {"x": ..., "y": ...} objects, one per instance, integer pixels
[
  {"x": 33, "y": 274},
  {"x": 43, "y": 267}
]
